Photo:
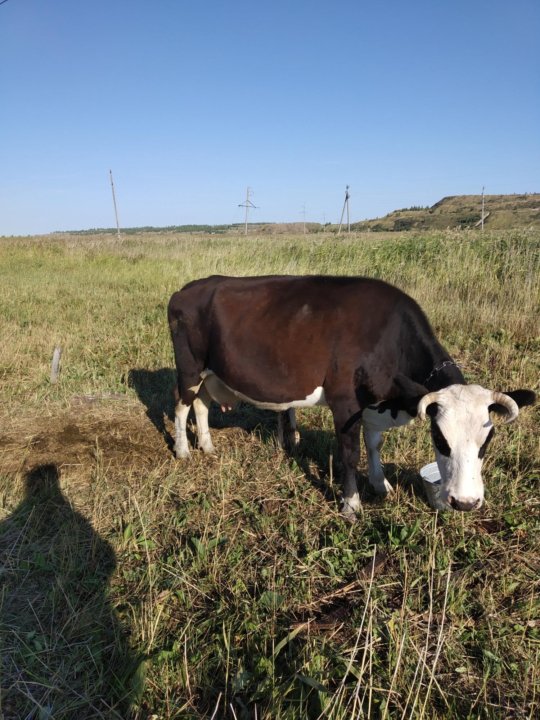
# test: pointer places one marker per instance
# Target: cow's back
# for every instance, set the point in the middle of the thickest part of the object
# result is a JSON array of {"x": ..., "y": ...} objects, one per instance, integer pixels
[{"x": 285, "y": 335}]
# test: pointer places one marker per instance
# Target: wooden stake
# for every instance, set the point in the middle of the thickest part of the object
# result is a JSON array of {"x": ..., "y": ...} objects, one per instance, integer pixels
[{"x": 55, "y": 365}]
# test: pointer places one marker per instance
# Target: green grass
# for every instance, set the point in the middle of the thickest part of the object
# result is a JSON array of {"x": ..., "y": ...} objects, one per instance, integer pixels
[{"x": 135, "y": 586}]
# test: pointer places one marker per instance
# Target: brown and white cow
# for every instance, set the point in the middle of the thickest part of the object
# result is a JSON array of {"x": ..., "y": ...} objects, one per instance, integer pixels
[{"x": 358, "y": 345}]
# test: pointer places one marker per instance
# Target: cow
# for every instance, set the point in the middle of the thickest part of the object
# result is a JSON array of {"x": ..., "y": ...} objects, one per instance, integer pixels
[{"x": 357, "y": 345}]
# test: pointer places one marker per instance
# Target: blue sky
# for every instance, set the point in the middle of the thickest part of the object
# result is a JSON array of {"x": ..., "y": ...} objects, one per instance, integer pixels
[{"x": 190, "y": 102}]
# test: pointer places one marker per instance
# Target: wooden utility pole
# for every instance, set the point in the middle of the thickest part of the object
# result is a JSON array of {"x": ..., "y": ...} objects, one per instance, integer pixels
[
  {"x": 247, "y": 204},
  {"x": 345, "y": 205},
  {"x": 483, "y": 188},
  {"x": 114, "y": 203},
  {"x": 304, "y": 216}
]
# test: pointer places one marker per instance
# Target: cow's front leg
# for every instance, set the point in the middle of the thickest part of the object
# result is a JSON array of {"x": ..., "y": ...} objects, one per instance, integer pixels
[
  {"x": 201, "y": 405},
  {"x": 349, "y": 449},
  {"x": 288, "y": 435},
  {"x": 350, "y": 454},
  {"x": 378, "y": 482}
]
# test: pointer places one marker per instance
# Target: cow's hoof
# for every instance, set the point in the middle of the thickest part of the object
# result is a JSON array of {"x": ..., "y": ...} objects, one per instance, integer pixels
[
  {"x": 348, "y": 512},
  {"x": 181, "y": 453},
  {"x": 383, "y": 488},
  {"x": 349, "y": 515},
  {"x": 207, "y": 448}
]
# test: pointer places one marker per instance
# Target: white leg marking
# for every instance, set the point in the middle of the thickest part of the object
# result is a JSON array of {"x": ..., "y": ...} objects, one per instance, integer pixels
[
  {"x": 181, "y": 447},
  {"x": 350, "y": 506},
  {"x": 201, "y": 405},
  {"x": 294, "y": 435},
  {"x": 378, "y": 482}
]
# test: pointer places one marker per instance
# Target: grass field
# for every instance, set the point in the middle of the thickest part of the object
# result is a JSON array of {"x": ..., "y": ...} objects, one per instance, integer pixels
[{"x": 136, "y": 586}]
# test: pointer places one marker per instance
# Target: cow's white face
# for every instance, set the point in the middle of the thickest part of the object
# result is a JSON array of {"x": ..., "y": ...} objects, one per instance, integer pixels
[{"x": 461, "y": 430}]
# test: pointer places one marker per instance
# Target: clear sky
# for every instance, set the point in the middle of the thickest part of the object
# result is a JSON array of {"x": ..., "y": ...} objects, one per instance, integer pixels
[{"x": 190, "y": 102}]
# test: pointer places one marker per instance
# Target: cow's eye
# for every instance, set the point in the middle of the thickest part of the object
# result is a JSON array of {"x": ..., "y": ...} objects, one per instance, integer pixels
[
  {"x": 483, "y": 449},
  {"x": 439, "y": 440}
]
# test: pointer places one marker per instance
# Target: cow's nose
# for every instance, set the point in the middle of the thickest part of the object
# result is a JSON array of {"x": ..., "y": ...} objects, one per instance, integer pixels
[{"x": 464, "y": 505}]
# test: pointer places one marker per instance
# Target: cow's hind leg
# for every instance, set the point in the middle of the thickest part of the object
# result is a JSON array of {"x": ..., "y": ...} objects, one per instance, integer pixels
[
  {"x": 288, "y": 435},
  {"x": 188, "y": 381},
  {"x": 181, "y": 445},
  {"x": 201, "y": 405},
  {"x": 378, "y": 482}
]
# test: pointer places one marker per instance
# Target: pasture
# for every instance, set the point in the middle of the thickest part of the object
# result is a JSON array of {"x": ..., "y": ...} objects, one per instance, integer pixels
[{"x": 137, "y": 586}]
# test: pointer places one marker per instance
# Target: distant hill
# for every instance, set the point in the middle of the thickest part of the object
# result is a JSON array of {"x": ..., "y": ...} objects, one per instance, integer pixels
[{"x": 462, "y": 211}]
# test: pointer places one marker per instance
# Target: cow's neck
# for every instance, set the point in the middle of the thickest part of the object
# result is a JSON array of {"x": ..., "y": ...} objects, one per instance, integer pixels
[
  {"x": 444, "y": 372},
  {"x": 432, "y": 367}
]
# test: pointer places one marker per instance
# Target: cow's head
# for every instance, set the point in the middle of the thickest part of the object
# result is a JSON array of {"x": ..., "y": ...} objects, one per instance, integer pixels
[{"x": 461, "y": 429}]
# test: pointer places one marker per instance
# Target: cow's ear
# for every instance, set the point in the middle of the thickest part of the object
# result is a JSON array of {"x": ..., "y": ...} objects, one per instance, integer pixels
[
  {"x": 520, "y": 397},
  {"x": 410, "y": 393}
]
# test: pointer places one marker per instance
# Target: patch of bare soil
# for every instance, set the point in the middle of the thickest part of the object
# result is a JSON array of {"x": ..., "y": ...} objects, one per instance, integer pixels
[{"x": 118, "y": 433}]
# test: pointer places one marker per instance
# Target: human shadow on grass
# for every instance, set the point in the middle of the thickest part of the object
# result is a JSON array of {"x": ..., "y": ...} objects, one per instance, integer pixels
[{"x": 64, "y": 651}]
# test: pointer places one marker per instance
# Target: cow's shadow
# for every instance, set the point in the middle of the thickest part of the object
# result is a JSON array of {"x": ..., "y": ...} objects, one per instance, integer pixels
[
  {"x": 155, "y": 389},
  {"x": 316, "y": 455},
  {"x": 407, "y": 479}
]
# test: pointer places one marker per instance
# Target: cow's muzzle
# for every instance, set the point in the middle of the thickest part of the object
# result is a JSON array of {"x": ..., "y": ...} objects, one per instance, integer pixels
[{"x": 464, "y": 505}]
